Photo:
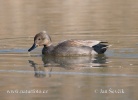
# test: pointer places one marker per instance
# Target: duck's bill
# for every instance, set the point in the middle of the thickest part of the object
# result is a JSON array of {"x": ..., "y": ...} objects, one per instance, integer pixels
[{"x": 33, "y": 47}]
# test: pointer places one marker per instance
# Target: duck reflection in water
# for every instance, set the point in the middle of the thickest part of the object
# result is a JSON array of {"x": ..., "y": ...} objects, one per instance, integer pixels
[
  {"x": 68, "y": 63},
  {"x": 39, "y": 71}
]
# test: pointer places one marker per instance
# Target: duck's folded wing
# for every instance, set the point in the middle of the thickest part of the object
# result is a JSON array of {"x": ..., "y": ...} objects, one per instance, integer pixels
[
  {"x": 79, "y": 43},
  {"x": 78, "y": 47},
  {"x": 89, "y": 43}
]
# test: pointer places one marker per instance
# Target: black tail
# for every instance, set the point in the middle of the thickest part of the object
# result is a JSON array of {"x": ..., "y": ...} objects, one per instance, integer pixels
[{"x": 100, "y": 48}]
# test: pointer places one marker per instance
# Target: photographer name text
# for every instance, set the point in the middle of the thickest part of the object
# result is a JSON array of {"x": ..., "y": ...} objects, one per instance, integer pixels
[{"x": 110, "y": 91}]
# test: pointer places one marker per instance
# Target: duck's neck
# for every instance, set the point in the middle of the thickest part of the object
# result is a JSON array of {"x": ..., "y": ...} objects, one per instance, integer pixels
[{"x": 47, "y": 49}]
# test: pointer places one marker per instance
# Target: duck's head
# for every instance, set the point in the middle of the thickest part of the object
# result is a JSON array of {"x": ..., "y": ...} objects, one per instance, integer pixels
[{"x": 41, "y": 39}]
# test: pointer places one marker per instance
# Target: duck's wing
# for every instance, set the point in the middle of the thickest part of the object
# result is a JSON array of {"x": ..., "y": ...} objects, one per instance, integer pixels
[
  {"x": 78, "y": 43},
  {"x": 79, "y": 47}
]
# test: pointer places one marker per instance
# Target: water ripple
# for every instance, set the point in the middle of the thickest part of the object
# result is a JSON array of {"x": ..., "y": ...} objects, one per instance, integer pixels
[{"x": 74, "y": 73}]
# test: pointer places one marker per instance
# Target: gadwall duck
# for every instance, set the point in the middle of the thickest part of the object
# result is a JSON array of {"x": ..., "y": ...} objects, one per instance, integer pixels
[{"x": 68, "y": 47}]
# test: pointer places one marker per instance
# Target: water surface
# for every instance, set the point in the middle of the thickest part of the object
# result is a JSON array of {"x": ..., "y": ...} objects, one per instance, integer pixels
[{"x": 101, "y": 77}]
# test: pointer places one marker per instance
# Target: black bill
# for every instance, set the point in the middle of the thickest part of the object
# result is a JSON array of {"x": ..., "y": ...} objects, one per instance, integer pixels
[{"x": 33, "y": 47}]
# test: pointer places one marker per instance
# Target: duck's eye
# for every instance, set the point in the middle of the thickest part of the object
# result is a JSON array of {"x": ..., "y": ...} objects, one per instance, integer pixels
[{"x": 39, "y": 39}]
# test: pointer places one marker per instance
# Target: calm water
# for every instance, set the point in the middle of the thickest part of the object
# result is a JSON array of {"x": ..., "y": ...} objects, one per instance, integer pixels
[{"x": 102, "y": 77}]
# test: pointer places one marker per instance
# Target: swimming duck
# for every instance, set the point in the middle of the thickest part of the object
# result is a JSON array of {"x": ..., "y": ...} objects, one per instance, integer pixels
[{"x": 68, "y": 47}]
